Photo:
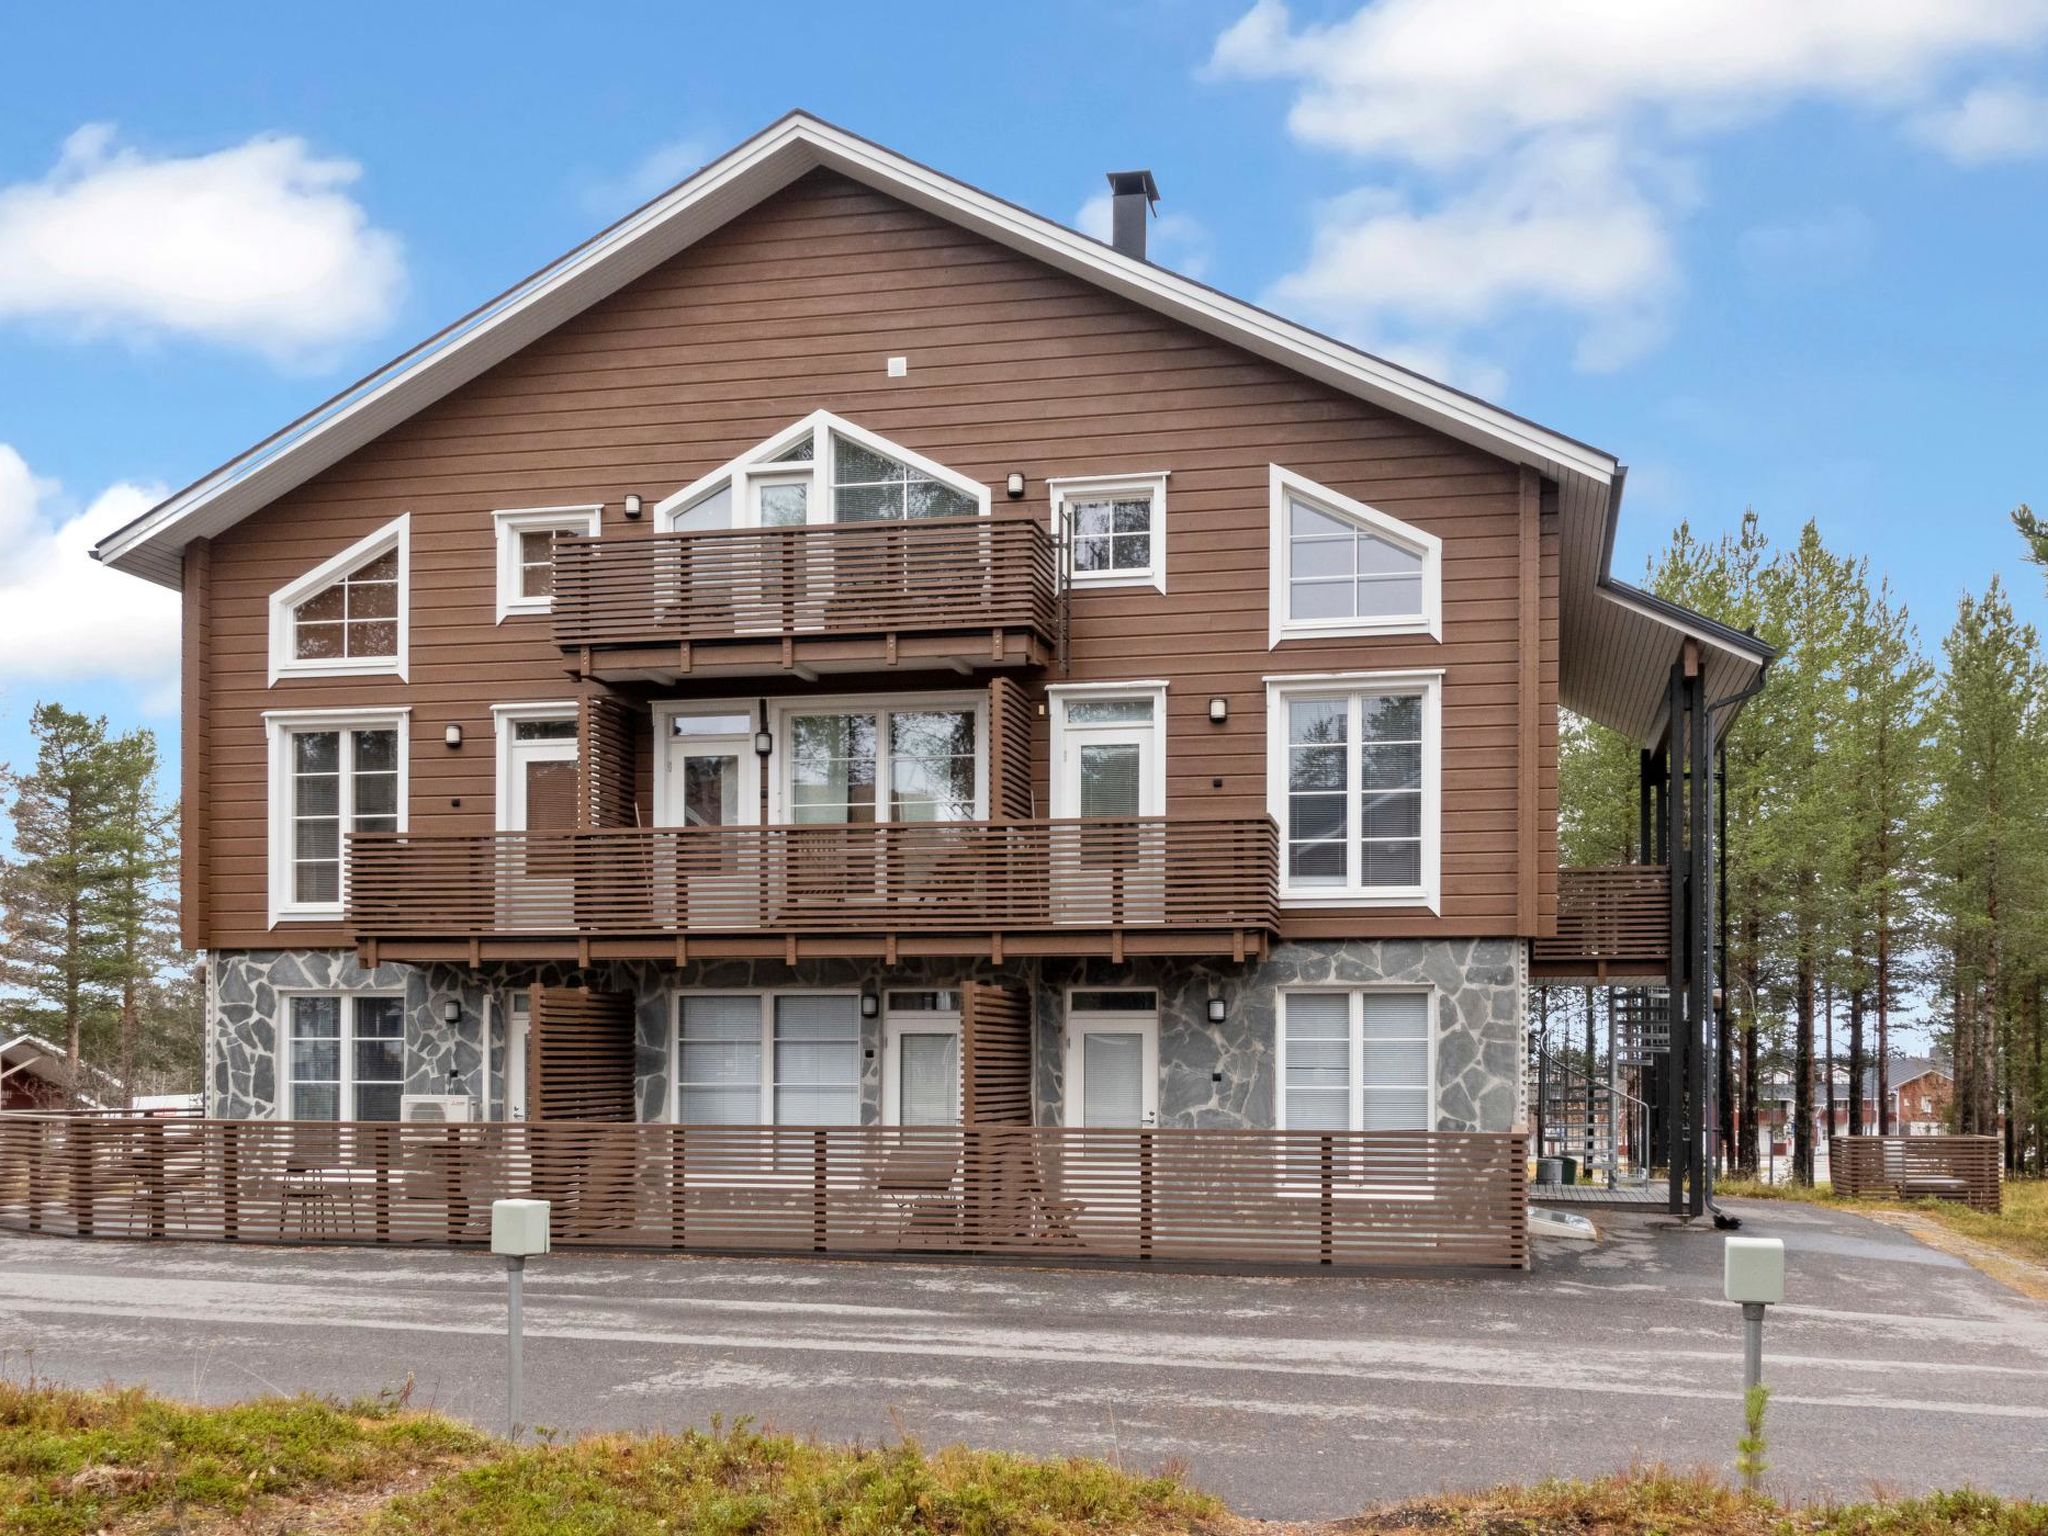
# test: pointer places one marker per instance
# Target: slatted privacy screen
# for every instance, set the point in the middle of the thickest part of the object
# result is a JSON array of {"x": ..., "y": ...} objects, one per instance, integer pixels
[
  {"x": 1152, "y": 872},
  {"x": 995, "y": 1055},
  {"x": 604, "y": 763},
  {"x": 994, "y": 573},
  {"x": 1965, "y": 1168},
  {"x": 1269, "y": 1199},
  {"x": 1617, "y": 914},
  {"x": 1009, "y": 750},
  {"x": 580, "y": 1055}
]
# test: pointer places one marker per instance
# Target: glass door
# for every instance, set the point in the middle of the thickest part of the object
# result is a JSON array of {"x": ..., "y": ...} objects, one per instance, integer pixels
[
  {"x": 1110, "y": 867},
  {"x": 1112, "y": 1059},
  {"x": 921, "y": 1059},
  {"x": 538, "y": 797},
  {"x": 710, "y": 779}
]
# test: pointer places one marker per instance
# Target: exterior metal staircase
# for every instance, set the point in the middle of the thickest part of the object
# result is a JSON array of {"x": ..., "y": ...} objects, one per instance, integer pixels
[{"x": 1597, "y": 1117}]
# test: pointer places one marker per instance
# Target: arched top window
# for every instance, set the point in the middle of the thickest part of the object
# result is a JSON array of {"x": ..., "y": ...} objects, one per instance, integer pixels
[
  {"x": 822, "y": 469},
  {"x": 348, "y": 614},
  {"x": 1340, "y": 567}
]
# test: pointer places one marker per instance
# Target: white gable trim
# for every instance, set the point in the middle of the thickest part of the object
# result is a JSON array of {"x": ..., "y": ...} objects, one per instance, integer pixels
[
  {"x": 396, "y": 534},
  {"x": 819, "y": 427},
  {"x": 763, "y": 165}
]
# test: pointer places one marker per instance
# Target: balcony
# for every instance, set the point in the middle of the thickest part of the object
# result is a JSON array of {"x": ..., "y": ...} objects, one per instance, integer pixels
[
  {"x": 1612, "y": 922},
  {"x": 959, "y": 593},
  {"x": 1144, "y": 886}
]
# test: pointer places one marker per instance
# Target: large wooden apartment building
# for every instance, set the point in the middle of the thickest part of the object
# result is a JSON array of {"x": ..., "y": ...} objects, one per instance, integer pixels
[{"x": 840, "y": 650}]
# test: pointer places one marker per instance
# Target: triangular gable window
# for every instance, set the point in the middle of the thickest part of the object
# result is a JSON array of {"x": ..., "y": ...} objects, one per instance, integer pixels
[
  {"x": 1340, "y": 567},
  {"x": 347, "y": 615},
  {"x": 822, "y": 469}
]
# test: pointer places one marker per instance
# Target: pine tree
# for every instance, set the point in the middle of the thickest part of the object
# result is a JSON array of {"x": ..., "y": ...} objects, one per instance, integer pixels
[
  {"x": 1988, "y": 858},
  {"x": 140, "y": 906}
]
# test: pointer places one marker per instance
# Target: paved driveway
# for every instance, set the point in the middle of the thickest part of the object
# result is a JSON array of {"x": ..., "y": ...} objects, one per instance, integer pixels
[{"x": 1295, "y": 1398}]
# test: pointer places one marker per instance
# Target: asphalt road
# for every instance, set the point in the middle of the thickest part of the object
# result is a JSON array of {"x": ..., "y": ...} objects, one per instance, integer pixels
[{"x": 1894, "y": 1366}]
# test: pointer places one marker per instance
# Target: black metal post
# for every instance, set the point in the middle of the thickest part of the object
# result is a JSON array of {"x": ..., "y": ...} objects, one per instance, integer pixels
[
  {"x": 1675, "y": 859},
  {"x": 1700, "y": 963}
]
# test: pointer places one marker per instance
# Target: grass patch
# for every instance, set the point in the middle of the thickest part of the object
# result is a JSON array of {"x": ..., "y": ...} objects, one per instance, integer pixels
[
  {"x": 1662, "y": 1503},
  {"x": 75, "y": 1461},
  {"x": 742, "y": 1482},
  {"x": 2020, "y": 1229},
  {"x": 124, "y": 1462}
]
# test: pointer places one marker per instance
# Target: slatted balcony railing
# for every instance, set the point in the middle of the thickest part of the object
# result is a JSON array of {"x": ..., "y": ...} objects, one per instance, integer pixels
[
  {"x": 1148, "y": 875},
  {"x": 982, "y": 575},
  {"x": 1613, "y": 916}
]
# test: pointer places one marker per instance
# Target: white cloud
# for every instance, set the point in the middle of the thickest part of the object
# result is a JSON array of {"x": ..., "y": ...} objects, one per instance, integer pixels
[
  {"x": 260, "y": 246},
  {"x": 655, "y": 172},
  {"x": 1544, "y": 151},
  {"x": 1176, "y": 240},
  {"x": 1437, "y": 81},
  {"x": 1560, "y": 223},
  {"x": 63, "y": 616},
  {"x": 1993, "y": 122}
]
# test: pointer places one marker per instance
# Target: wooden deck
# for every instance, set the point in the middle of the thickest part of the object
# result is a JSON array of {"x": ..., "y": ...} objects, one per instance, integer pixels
[{"x": 1653, "y": 1194}]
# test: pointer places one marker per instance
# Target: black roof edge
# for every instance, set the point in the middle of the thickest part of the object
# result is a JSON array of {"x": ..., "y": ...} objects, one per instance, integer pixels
[{"x": 1721, "y": 634}]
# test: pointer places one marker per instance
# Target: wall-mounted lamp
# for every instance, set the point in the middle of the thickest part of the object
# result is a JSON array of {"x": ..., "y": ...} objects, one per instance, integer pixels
[
  {"x": 1219, "y": 711},
  {"x": 452, "y": 735},
  {"x": 1217, "y": 1010},
  {"x": 763, "y": 743},
  {"x": 870, "y": 1005},
  {"x": 1015, "y": 484},
  {"x": 451, "y": 1012},
  {"x": 632, "y": 506}
]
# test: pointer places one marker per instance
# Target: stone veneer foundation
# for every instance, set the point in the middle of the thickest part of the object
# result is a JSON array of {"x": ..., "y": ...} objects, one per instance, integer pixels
[{"x": 1210, "y": 1074}]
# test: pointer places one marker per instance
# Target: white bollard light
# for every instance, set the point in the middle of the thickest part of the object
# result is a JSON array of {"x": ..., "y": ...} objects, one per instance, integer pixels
[
  {"x": 1753, "y": 1275},
  {"x": 519, "y": 1230}
]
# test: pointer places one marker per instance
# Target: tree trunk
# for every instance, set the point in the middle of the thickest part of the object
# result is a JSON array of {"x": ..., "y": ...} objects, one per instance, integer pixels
[
  {"x": 1856, "y": 1109},
  {"x": 1884, "y": 998},
  {"x": 1828, "y": 1018},
  {"x": 1802, "y": 1075},
  {"x": 130, "y": 1026}
]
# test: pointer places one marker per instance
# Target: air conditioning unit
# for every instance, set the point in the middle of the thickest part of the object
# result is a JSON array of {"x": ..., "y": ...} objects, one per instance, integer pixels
[{"x": 434, "y": 1108}]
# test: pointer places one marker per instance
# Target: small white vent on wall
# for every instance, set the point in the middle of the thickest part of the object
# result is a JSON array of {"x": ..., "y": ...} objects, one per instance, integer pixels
[
  {"x": 899, "y": 367},
  {"x": 434, "y": 1108}
]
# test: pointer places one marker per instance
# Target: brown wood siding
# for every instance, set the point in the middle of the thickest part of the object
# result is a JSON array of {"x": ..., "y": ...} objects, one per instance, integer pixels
[
  {"x": 195, "y": 736},
  {"x": 1013, "y": 366}
]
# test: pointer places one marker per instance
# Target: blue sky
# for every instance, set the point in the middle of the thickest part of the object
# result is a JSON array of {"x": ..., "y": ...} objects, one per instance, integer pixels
[{"x": 1774, "y": 256}]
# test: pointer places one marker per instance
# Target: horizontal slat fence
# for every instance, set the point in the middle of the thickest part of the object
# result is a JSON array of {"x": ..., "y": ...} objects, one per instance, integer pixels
[
  {"x": 1616, "y": 914},
  {"x": 974, "y": 573},
  {"x": 1270, "y": 1199},
  {"x": 1965, "y": 1168},
  {"x": 960, "y": 876}
]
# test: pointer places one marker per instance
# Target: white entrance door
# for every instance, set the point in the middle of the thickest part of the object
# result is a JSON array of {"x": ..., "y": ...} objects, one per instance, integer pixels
[
  {"x": 921, "y": 1059},
  {"x": 709, "y": 778},
  {"x": 1109, "y": 770},
  {"x": 1112, "y": 1059},
  {"x": 537, "y": 795},
  {"x": 518, "y": 1015}
]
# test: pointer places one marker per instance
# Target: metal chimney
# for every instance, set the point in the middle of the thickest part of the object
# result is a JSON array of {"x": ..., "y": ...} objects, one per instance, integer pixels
[{"x": 1132, "y": 196}]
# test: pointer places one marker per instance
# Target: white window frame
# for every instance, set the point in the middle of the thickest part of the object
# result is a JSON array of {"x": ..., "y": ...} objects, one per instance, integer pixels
[
  {"x": 738, "y": 474},
  {"x": 1357, "y": 996},
  {"x": 1428, "y": 892},
  {"x": 1066, "y": 489},
  {"x": 396, "y": 534},
  {"x": 782, "y": 761},
  {"x": 279, "y": 727},
  {"x": 1286, "y": 485},
  {"x": 505, "y": 720},
  {"x": 288, "y": 1083},
  {"x": 1059, "y": 695},
  {"x": 509, "y": 524},
  {"x": 765, "y": 998}
]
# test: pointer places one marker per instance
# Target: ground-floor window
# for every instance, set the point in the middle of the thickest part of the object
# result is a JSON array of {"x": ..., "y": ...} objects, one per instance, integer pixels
[
  {"x": 346, "y": 1056},
  {"x": 1356, "y": 1060},
  {"x": 767, "y": 1058}
]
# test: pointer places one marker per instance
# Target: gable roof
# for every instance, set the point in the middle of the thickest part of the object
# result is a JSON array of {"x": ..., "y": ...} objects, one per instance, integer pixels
[{"x": 1616, "y": 644}]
